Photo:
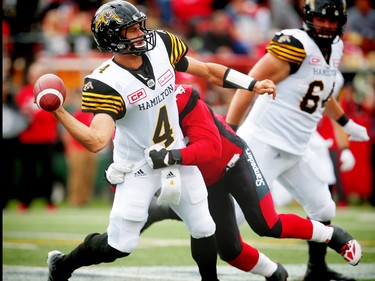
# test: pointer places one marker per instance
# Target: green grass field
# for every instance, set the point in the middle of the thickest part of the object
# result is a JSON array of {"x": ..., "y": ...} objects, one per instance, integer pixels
[{"x": 28, "y": 237}]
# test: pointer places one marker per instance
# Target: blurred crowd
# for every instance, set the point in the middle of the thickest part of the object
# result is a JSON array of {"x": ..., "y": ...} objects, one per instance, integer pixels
[{"x": 36, "y": 32}]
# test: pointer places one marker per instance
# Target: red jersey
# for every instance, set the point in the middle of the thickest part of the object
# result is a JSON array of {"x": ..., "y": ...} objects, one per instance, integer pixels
[{"x": 212, "y": 143}]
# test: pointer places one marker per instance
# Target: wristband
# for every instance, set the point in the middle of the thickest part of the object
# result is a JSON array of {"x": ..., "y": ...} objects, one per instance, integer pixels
[
  {"x": 234, "y": 127},
  {"x": 235, "y": 79},
  {"x": 175, "y": 156},
  {"x": 343, "y": 120}
]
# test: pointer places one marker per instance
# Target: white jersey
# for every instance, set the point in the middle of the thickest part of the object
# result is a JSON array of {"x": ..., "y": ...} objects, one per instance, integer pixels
[
  {"x": 143, "y": 105},
  {"x": 289, "y": 121}
]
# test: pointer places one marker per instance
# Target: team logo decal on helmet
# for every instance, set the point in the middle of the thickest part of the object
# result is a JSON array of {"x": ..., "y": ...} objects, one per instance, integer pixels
[{"x": 105, "y": 17}]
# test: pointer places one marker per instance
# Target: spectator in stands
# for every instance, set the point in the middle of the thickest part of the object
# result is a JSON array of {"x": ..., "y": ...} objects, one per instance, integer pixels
[
  {"x": 357, "y": 101},
  {"x": 368, "y": 105},
  {"x": 13, "y": 123},
  {"x": 55, "y": 28},
  {"x": 81, "y": 164},
  {"x": 252, "y": 16},
  {"x": 188, "y": 13},
  {"x": 361, "y": 25},
  {"x": 165, "y": 11},
  {"x": 286, "y": 13},
  {"x": 37, "y": 145},
  {"x": 22, "y": 19},
  {"x": 222, "y": 37},
  {"x": 80, "y": 37}
]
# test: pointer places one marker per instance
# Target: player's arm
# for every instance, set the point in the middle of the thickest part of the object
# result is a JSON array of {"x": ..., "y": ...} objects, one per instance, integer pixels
[
  {"x": 106, "y": 104},
  {"x": 204, "y": 137},
  {"x": 284, "y": 56},
  {"x": 94, "y": 137},
  {"x": 211, "y": 72},
  {"x": 335, "y": 111},
  {"x": 229, "y": 78},
  {"x": 269, "y": 67}
]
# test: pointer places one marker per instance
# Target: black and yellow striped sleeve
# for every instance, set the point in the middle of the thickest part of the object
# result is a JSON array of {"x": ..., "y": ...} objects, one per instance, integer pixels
[
  {"x": 287, "y": 48},
  {"x": 98, "y": 97},
  {"x": 177, "y": 49}
]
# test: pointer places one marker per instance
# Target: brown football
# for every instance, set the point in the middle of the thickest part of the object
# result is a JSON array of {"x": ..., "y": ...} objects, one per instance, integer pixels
[{"x": 49, "y": 92}]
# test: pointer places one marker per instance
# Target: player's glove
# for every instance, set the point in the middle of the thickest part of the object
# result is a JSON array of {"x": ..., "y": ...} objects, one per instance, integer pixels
[
  {"x": 158, "y": 157},
  {"x": 347, "y": 160},
  {"x": 356, "y": 132},
  {"x": 115, "y": 173}
]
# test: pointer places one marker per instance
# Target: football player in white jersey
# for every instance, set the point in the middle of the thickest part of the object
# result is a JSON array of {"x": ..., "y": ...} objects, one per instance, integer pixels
[
  {"x": 303, "y": 63},
  {"x": 321, "y": 159},
  {"x": 133, "y": 92}
]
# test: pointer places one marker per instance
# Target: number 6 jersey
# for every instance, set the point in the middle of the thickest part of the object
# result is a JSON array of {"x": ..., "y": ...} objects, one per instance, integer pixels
[{"x": 288, "y": 121}]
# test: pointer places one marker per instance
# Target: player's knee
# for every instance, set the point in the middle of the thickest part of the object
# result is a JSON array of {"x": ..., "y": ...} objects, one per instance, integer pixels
[
  {"x": 265, "y": 231},
  {"x": 329, "y": 212},
  {"x": 128, "y": 243},
  {"x": 111, "y": 254},
  {"x": 229, "y": 252},
  {"x": 202, "y": 227},
  {"x": 97, "y": 245},
  {"x": 123, "y": 235},
  {"x": 199, "y": 221},
  {"x": 325, "y": 213}
]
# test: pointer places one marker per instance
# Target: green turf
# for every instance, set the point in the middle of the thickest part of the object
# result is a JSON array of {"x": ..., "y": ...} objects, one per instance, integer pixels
[{"x": 28, "y": 237}]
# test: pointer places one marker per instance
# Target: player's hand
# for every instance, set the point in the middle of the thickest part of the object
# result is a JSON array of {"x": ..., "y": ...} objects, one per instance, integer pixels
[
  {"x": 158, "y": 157},
  {"x": 265, "y": 86},
  {"x": 115, "y": 173},
  {"x": 347, "y": 160},
  {"x": 356, "y": 132}
]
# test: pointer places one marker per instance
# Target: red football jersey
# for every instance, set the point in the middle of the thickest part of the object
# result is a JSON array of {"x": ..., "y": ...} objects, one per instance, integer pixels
[{"x": 212, "y": 143}]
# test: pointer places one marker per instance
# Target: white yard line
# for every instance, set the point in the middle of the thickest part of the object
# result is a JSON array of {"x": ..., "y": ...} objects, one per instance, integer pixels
[{"x": 173, "y": 273}]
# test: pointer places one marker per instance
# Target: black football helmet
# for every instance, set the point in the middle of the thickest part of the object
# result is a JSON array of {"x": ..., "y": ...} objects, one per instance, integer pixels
[
  {"x": 331, "y": 9},
  {"x": 108, "y": 22}
]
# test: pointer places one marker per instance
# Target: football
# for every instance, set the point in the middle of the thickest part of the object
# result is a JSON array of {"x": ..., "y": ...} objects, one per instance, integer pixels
[{"x": 49, "y": 92}]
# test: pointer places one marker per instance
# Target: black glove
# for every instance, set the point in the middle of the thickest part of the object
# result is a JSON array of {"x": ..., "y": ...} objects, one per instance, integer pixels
[{"x": 163, "y": 158}]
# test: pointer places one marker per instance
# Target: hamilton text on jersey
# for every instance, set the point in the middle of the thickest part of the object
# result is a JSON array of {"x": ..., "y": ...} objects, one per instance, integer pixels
[
  {"x": 327, "y": 72},
  {"x": 158, "y": 99}
]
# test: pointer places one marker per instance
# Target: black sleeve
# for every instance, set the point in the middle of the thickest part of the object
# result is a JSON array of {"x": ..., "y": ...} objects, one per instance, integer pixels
[
  {"x": 98, "y": 97},
  {"x": 177, "y": 49},
  {"x": 287, "y": 48}
]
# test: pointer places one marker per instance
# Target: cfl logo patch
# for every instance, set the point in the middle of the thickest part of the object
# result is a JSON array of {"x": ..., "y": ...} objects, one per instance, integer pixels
[{"x": 137, "y": 96}]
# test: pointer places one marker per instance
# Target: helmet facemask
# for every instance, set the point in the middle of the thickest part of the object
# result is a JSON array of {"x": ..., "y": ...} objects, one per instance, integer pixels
[{"x": 131, "y": 44}]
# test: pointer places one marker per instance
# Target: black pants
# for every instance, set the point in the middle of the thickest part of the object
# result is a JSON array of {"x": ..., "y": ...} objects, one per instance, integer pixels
[{"x": 240, "y": 182}]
